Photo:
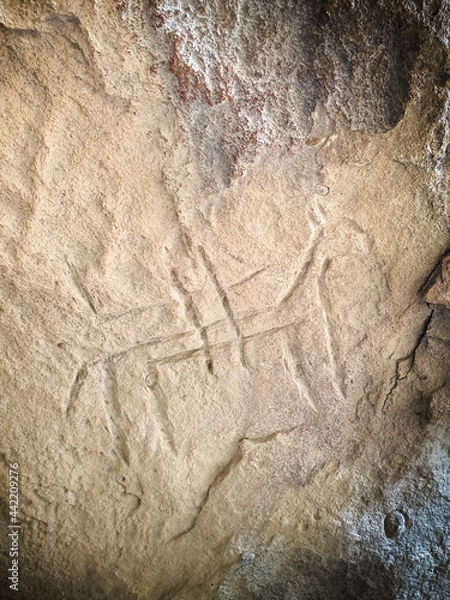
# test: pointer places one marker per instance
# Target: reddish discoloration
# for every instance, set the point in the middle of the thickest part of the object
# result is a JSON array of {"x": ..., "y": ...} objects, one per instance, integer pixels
[
  {"x": 122, "y": 5},
  {"x": 190, "y": 84}
]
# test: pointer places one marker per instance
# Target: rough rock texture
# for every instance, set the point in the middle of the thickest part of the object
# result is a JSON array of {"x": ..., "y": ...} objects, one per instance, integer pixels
[{"x": 225, "y": 298}]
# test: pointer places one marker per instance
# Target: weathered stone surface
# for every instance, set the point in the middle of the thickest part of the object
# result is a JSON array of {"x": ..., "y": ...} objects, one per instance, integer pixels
[
  {"x": 224, "y": 298},
  {"x": 251, "y": 74}
]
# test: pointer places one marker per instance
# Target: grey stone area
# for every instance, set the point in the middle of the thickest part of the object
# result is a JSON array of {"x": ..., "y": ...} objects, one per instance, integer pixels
[{"x": 224, "y": 299}]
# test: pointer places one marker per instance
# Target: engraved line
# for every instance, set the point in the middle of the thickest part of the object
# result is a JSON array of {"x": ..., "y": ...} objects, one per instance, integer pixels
[
  {"x": 295, "y": 370},
  {"x": 75, "y": 388},
  {"x": 248, "y": 277},
  {"x": 324, "y": 301},
  {"x": 225, "y": 303},
  {"x": 305, "y": 262},
  {"x": 192, "y": 315},
  {"x": 113, "y": 412},
  {"x": 162, "y": 408},
  {"x": 83, "y": 291}
]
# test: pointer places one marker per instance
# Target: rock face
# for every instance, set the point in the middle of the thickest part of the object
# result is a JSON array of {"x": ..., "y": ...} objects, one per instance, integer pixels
[
  {"x": 225, "y": 298},
  {"x": 252, "y": 74}
]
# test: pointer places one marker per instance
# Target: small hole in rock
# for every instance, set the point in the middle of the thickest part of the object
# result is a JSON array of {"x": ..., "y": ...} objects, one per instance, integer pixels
[{"x": 394, "y": 524}]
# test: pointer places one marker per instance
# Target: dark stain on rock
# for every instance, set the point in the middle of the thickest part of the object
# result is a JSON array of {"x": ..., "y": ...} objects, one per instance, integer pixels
[
  {"x": 249, "y": 73},
  {"x": 303, "y": 574},
  {"x": 373, "y": 50}
]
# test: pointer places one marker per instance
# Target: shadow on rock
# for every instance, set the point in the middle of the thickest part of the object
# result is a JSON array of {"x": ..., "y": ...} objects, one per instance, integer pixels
[{"x": 303, "y": 575}]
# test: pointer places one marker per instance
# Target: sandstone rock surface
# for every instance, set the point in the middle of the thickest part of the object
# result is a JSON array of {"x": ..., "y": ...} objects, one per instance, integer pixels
[{"x": 224, "y": 297}]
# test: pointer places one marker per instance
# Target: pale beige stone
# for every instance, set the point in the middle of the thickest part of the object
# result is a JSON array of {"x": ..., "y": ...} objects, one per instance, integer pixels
[{"x": 223, "y": 300}]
